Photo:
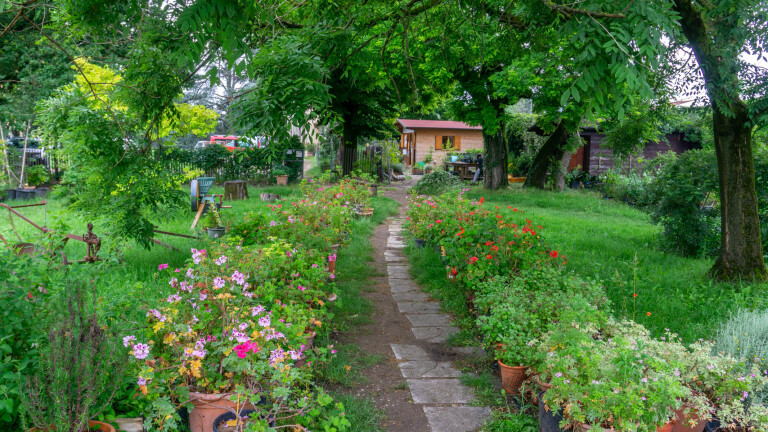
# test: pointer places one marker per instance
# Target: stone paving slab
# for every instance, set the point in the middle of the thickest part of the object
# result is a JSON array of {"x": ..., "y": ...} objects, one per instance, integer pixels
[
  {"x": 440, "y": 391},
  {"x": 434, "y": 334},
  {"x": 428, "y": 369},
  {"x": 456, "y": 419},
  {"x": 469, "y": 351},
  {"x": 412, "y": 296},
  {"x": 429, "y": 320},
  {"x": 418, "y": 307},
  {"x": 395, "y": 245},
  {"x": 402, "y": 286},
  {"x": 395, "y": 259},
  {"x": 409, "y": 352},
  {"x": 398, "y": 272}
]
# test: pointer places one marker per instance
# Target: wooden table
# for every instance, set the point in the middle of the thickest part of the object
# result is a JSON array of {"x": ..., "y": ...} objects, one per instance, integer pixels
[{"x": 462, "y": 169}]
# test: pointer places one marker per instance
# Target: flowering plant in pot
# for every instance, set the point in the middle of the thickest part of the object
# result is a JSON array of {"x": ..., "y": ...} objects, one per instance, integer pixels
[
  {"x": 239, "y": 317},
  {"x": 724, "y": 387},
  {"x": 613, "y": 376},
  {"x": 281, "y": 174}
]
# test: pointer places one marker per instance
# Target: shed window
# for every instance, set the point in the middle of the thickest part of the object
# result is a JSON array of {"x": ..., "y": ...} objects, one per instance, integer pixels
[{"x": 449, "y": 142}]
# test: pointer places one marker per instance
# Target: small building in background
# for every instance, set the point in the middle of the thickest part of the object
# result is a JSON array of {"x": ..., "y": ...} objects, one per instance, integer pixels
[
  {"x": 419, "y": 137},
  {"x": 595, "y": 158}
]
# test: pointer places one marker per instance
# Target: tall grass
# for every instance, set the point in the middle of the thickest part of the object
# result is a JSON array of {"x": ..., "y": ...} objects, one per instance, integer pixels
[{"x": 619, "y": 246}]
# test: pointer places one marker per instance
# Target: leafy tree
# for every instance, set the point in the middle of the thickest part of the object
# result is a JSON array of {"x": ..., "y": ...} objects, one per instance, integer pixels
[{"x": 718, "y": 33}]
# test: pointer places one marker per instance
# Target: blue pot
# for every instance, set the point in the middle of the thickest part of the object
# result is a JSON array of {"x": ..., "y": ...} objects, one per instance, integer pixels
[
  {"x": 454, "y": 158},
  {"x": 420, "y": 243}
]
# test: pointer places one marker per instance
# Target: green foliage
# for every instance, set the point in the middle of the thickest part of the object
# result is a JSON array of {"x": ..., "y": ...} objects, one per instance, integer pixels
[
  {"x": 683, "y": 195},
  {"x": 24, "y": 298},
  {"x": 436, "y": 183},
  {"x": 745, "y": 336},
  {"x": 517, "y": 311},
  {"x": 280, "y": 170},
  {"x": 75, "y": 378},
  {"x": 37, "y": 175}
]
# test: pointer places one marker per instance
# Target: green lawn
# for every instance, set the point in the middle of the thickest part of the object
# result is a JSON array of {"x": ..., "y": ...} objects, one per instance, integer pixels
[{"x": 618, "y": 245}]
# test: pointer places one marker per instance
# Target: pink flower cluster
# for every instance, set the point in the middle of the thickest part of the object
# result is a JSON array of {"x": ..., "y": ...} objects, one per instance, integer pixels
[{"x": 243, "y": 349}]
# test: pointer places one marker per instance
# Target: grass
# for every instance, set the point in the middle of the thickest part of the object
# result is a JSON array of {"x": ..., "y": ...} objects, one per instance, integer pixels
[
  {"x": 619, "y": 246},
  {"x": 361, "y": 412}
]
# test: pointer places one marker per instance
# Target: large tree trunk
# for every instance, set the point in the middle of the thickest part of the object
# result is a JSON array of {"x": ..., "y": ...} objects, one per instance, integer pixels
[
  {"x": 495, "y": 160},
  {"x": 550, "y": 153},
  {"x": 349, "y": 150},
  {"x": 741, "y": 250}
]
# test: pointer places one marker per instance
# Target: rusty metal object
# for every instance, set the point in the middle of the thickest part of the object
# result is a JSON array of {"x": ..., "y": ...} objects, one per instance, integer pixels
[{"x": 93, "y": 243}]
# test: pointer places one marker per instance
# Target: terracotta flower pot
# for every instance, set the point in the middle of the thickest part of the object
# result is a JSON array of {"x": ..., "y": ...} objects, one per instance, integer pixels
[
  {"x": 282, "y": 180},
  {"x": 512, "y": 377},
  {"x": 666, "y": 428},
  {"x": 92, "y": 425},
  {"x": 682, "y": 423},
  {"x": 207, "y": 406},
  {"x": 332, "y": 266}
]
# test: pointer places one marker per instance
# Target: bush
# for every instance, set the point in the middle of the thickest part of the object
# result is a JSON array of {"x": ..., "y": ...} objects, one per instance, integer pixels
[
  {"x": 517, "y": 311},
  {"x": 436, "y": 182},
  {"x": 398, "y": 168},
  {"x": 682, "y": 197},
  {"x": 745, "y": 336},
  {"x": 631, "y": 188}
]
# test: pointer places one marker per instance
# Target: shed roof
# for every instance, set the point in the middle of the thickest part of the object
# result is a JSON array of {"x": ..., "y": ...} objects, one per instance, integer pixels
[{"x": 435, "y": 124}]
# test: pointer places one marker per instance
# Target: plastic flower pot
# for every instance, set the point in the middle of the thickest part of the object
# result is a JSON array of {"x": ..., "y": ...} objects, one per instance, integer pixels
[
  {"x": 25, "y": 194},
  {"x": 41, "y": 192},
  {"x": 549, "y": 420},
  {"x": 454, "y": 158},
  {"x": 713, "y": 425},
  {"x": 219, "y": 425},
  {"x": 420, "y": 243},
  {"x": 216, "y": 232},
  {"x": 512, "y": 377},
  {"x": 207, "y": 407},
  {"x": 11, "y": 193}
]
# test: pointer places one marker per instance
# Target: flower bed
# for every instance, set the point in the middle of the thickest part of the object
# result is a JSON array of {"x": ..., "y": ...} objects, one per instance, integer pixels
[
  {"x": 532, "y": 312},
  {"x": 242, "y": 320}
]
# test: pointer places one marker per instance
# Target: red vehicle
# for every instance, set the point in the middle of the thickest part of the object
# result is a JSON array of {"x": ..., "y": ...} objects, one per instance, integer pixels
[{"x": 228, "y": 141}]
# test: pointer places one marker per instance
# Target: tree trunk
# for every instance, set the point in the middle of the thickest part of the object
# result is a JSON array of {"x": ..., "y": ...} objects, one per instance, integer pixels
[
  {"x": 549, "y": 154},
  {"x": 741, "y": 249},
  {"x": 564, "y": 161},
  {"x": 495, "y": 160},
  {"x": 349, "y": 150}
]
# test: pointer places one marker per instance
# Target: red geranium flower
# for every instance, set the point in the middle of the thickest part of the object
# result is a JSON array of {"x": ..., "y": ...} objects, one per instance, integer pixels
[
  {"x": 489, "y": 256},
  {"x": 554, "y": 254}
]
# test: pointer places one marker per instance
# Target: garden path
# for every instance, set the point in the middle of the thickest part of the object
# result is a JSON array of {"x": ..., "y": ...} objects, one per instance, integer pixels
[{"x": 417, "y": 384}]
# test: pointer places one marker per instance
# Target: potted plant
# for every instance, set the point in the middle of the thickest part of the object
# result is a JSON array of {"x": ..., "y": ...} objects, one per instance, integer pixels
[
  {"x": 612, "y": 375},
  {"x": 213, "y": 223},
  {"x": 228, "y": 338},
  {"x": 37, "y": 176},
  {"x": 281, "y": 173},
  {"x": 453, "y": 155},
  {"x": 75, "y": 378},
  {"x": 516, "y": 312}
]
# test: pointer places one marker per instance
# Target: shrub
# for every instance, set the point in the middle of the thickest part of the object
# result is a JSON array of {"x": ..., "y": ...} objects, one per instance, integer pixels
[
  {"x": 436, "y": 182},
  {"x": 682, "y": 199},
  {"x": 745, "y": 336},
  {"x": 398, "y": 168},
  {"x": 518, "y": 311},
  {"x": 631, "y": 188}
]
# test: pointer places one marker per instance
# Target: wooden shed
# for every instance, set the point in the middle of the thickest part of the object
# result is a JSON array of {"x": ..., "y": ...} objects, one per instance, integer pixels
[
  {"x": 596, "y": 159},
  {"x": 419, "y": 137}
]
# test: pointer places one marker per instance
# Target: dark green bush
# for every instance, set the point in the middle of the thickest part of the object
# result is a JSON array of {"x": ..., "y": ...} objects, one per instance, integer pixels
[
  {"x": 682, "y": 197},
  {"x": 436, "y": 182}
]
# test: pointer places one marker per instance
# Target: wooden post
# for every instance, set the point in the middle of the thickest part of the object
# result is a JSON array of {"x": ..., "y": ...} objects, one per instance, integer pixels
[{"x": 235, "y": 190}]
